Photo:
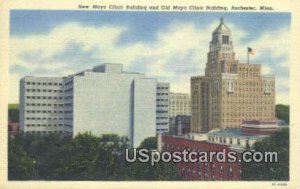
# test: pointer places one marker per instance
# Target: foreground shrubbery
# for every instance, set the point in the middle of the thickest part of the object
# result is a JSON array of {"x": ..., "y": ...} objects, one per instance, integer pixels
[
  {"x": 85, "y": 157},
  {"x": 277, "y": 171}
]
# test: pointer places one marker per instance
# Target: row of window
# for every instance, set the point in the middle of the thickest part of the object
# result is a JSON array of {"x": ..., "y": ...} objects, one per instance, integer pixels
[
  {"x": 162, "y": 93},
  {"x": 39, "y": 104},
  {"x": 45, "y": 111},
  {"x": 232, "y": 121},
  {"x": 204, "y": 173},
  {"x": 162, "y": 100},
  {"x": 224, "y": 140},
  {"x": 162, "y": 106},
  {"x": 44, "y": 125},
  {"x": 248, "y": 69},
  {"x": 163, "y": 88},
  {"x": 44, "y": 90},
  {"x": 161, "y": 111},
  {"x": 45, "y": 97},
  {"x": 44, "y": 118},
  {"x": 43, "y": 83},
  {"x": 247, "y": 114},
  {"x": 249, "y": 108},
  {"x": 44, "y": 132}
]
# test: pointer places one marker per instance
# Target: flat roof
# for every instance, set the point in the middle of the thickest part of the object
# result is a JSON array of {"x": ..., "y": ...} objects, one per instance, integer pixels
[{"x": 235, "y": 133}]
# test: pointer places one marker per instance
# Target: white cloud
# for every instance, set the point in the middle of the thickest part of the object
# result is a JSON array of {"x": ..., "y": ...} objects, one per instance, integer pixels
[{"x": 178, "y": 52}]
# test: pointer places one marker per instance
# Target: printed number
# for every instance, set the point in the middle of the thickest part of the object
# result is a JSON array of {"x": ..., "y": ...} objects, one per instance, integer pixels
[{"x": 279, "y": 184}]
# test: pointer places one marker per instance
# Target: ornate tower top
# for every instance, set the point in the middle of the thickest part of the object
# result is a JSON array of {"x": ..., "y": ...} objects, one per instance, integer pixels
[
  {"x": 222, "y": 27},
  {"x": 220, "y": 49},
  {"x": 221, "y": 39}
]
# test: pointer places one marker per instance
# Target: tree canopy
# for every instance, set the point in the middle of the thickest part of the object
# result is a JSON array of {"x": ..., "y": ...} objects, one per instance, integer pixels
[
  {"x": 283, "y": 112},
  {"x": 279, "y": 171},
  {"x": 84, "y": 157}
]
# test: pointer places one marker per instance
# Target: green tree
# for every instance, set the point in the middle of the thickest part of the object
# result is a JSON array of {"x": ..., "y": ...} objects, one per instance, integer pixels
[
  {"x": 278, "y": 142},
  {"x": 20, "y": 165},
  {"x": 84, "y": 157},
  {"x": 13, "y": 112},
  {"x": 94, "y": 158},
  {"x": 283, "y": 112},
  {"x": 161, "y": 171},
  {"x": 149, "y": 143}
]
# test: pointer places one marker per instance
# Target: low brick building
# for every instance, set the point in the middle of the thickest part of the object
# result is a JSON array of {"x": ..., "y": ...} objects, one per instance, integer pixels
[{"x": 208, "y": 171}]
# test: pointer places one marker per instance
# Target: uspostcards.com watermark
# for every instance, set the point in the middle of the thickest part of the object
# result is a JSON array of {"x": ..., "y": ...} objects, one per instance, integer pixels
[{"x": 152, "y": 157}]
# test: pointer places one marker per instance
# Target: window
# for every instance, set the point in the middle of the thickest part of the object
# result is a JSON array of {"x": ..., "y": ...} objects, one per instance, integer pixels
[
  {"x": 216, "y": 86},
  {"x": 268, "y": 88},
  {"x": 213, "y": 167},
  {"x": 221, "y": 169},
  {"x": 230, "y": 171},
  {"x": 225, "y": 39},
  {"x": 230, "y": 87}
]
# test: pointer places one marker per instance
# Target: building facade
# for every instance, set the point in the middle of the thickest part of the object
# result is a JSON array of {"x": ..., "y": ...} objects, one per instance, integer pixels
[
  {"x": 42, "y": 105},
  {"x": 180, "y": 104},
  {"x": 103, "y": 100},
  {"x": 230, "y": 92},
  {"x": 182, "y": 125},
  {"x": 162, "y": 107},
  {"x": 206, "y": 170}
]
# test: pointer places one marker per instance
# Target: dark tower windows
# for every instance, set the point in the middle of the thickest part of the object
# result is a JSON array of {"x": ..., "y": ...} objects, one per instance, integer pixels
[{"x": 225, "y": 39}]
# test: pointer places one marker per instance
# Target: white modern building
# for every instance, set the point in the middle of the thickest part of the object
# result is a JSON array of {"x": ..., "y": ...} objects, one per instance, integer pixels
[
  {"x": 103, "y": 100},
  {"x": 180, "y": 104},
  {"x": 162, "y": 107},
  {"x": 42, "y": 105}
]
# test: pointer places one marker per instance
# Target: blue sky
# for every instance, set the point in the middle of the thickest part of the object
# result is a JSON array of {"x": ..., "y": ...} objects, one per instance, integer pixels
[{"x": 170, "y": 46}]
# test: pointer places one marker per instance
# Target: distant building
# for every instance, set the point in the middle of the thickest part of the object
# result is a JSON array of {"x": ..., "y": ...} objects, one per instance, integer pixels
[
  {"x": 257, "y": 127},
  {"x": 244, "y": 137},
  {"x": 182, "y": 125},
  {"x": 230, "y": 92},
  {"x": 162, "y": 107},
  {"x": 179, "y": 104},
  {"x": 103, "y": 100}
]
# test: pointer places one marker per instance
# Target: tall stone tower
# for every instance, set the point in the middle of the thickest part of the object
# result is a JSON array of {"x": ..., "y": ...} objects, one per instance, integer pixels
[{"x": 230, "y": 92}]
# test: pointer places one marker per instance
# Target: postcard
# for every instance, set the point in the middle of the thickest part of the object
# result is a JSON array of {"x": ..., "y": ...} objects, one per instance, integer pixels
[{"x": 123, "y": 94}]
